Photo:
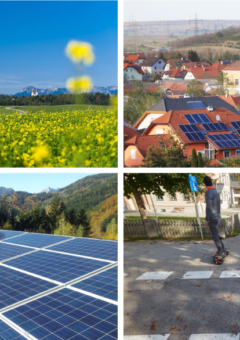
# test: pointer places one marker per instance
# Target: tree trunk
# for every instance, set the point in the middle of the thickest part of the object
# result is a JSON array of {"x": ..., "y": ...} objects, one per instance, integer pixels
[{"x": 139, "y": 203}]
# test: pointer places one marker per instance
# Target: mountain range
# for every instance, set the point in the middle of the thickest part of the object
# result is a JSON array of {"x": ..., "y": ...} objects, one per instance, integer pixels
[
  {"x": 91, "y": 193},
  {"x": 27, "y": 91}
]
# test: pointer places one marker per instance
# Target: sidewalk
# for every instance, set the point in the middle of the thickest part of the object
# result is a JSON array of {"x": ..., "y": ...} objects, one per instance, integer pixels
[{"x": 189, "y": 294}]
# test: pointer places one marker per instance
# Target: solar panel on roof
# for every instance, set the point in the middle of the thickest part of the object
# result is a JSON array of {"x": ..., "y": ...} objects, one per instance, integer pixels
[
  {"x": 227, "y": 140},
  {"x": 67, "y": 314},
  {"x": 54, "y": 266},
  {"x": 214, "y": 126},
  {"x": 7, "y": 251},
  {"x": 101, "y": 249},
  {"x": 196, "y": 105},
  {"x": 38, "y": 240},
  {"x": 16, "y": 286},
  {"x": 5, "y": 234},
  {"x": 188, "y": 128},
  {"x": 7, "y": 333},
  {"x": 236, "y": 125},
  {"x": 104, "y": 284},
  {"x": 192, "y": 132},
  {"x": 197, "y": 118}
]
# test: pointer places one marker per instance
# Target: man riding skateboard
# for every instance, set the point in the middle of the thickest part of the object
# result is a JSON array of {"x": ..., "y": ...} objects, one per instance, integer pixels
[{"x": 213, "y": 215}]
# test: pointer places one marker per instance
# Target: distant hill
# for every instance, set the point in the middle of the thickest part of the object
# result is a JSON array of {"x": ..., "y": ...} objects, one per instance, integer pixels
[
  {"x": 4, "y": 191},
  {"x": 90, "y": 193},
  {"x": 27, "y": 91},
  {"x": 47, "y": 190}
]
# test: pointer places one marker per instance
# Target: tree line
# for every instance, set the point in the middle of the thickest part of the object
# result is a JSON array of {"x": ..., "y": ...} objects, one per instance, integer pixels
[
  {"x": 57, "y": 220},
  {"x": 56, "y": 99}
]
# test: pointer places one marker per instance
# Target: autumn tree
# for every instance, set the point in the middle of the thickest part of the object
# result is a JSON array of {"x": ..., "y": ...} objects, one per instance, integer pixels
[{"x": 195, "y": 88}]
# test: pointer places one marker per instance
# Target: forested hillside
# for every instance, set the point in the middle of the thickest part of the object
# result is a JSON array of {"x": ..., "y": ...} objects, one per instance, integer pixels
[{"x": 70, "y": 211}]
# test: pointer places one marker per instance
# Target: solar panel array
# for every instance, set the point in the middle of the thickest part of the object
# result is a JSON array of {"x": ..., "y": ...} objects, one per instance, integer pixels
[
  {"x": 54, "y": 287},
  {"x": 197, "y": 105},
  {"x": 197, "y": 118},
  {"x": 225, "y": 140},
  {"x": 192, "y": 132},
  {"x": 214, "y": 126},
  {"x": 236, "y": 126}
]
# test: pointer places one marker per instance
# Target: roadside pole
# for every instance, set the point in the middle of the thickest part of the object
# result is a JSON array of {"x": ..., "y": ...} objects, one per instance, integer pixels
[{"x": 194, "y": 188}]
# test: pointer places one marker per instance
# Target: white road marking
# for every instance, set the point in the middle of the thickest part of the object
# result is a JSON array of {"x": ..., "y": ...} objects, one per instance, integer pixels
[
  {"x": 214, "y": 337},
  {"x": 154, "y": 276},
  {"x": 147, "y": 337},
  {"x": 230, "y": 273},
  {"x": 197, "y": 275}
]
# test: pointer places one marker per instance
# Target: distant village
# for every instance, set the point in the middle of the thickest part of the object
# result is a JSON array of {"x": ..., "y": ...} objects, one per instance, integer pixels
[{"x": 208, "y": 123}]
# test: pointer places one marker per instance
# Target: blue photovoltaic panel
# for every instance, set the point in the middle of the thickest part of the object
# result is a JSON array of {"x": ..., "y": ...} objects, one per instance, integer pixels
[
  {"x": 196, "y": 105},
  {"x": 226, "y": 140},
  {"x": 7, "y": 251},
  {"x": 197, "y": 118},
  {"x": 58, "y": 267},
  {"x": 236, "y": 125},
  {"x": 67, "y": 314},
  {"x": 214, "y": 126},
  {"x": 195, "y": 136},
  {"x": 5, "y": 234},
  {"x": 104, "y": 284},
  {"x": 16, "y": 286},
  {"x": 188, "y": 128},
  {"x": 38, "y": 240},
  {"x": 7, "y": 333},
  {"x": 106, "y": 250}
]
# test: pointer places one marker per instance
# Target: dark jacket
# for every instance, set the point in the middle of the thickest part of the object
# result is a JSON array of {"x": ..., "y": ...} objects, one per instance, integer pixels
[{"x": 212, "y": 205}]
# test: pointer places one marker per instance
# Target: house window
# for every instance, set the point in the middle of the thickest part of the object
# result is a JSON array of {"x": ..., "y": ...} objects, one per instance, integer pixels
[
  {"x": 159, "y": 198},
  {"x": 236, "y": 91},
  {"x": 159, "y": 62},
  {"x": 130, "y": 69},
  {"x": 237, "y": 81},
  {"x": 186, "y": 198},
  {"x": 126, "y": 70},
  {"x": 237, "y": 152},
  {"x": 172, "y": 198},
  {"x": 155, "y": 68},
  {"x": 133, "y": 154},
  {"x": 159, "y": 131},
  {"x": 236, "y": 192},
  {"x": 227, "y": 153},
  {"x": 202, "y": 152}
]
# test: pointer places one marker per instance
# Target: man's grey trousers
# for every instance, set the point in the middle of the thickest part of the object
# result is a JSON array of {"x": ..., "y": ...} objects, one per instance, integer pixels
[{"x": 213, "y": 226}]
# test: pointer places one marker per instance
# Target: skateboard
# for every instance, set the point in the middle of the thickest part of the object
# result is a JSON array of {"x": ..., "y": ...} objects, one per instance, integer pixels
[{"x": 218, "y": 259}]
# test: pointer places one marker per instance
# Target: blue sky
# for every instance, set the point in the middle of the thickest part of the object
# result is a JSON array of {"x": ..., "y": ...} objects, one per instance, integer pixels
[
  {"x": 34, "y": 183},
  {"x": 34, "y": 34}
]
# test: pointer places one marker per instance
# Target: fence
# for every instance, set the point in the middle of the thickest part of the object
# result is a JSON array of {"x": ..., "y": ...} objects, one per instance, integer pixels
[{"x": 177, "y": 228}]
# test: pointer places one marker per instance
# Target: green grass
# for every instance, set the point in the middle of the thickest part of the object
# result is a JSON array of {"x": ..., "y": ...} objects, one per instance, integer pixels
[
  {"x": 235, "y": 233},
  {"x": 53, "y": 108}
]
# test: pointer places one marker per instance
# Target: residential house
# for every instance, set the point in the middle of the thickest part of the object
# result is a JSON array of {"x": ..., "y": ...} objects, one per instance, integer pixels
[
  {"x": 135, "y": 59},
  {"x": 173, "y": 63},
  {"x": 213, "y": 132},
  {"x": 201, "y": 73},
  {"x": 174, "y": 74},
  {"x": 174, "y": 89},
  {"x": 220, "y": 65},
  {"x": 168, "y": 104},
  {"x": 135, "y": 149},
  {"x": 153, "y": 65},
  {"x": 132, "y": 72},
  {"x": 235, "y": 192},
  {"x": 190, "y": 64},
  {"x": 232, "y": 78}
]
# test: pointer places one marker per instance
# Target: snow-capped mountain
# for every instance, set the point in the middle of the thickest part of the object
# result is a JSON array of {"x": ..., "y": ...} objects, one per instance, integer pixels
[
  {"x": 47, "y": 190},
  {"x": 26, "y": 91}
]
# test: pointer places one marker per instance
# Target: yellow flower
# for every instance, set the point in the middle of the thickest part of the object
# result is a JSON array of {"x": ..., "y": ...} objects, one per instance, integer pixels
[
  {"x": 40, "y": 153},
  {"x": 80, "y": 84},
  {"x": 79, "y": 51}
]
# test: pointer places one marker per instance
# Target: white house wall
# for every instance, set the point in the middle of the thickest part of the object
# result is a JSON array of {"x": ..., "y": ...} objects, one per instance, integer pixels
[
  {"x": 148, "y": 119},
  {"x": 131, "y": 74},
  {"x": 189, "y": 75}
]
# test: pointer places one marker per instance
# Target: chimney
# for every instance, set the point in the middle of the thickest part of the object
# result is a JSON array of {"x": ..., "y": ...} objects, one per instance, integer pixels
[
  {"x": 226, "y": 95},
  {"x": 210, "y": 108},
  {"x": 204, "y": 69}
]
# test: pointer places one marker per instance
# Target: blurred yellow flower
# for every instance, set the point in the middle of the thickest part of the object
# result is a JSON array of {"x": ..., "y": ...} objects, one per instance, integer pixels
[
  {"x": 79, "y": 51},
  {"x": 80, "y": 84},
  {"x": 40, "y": 153}
]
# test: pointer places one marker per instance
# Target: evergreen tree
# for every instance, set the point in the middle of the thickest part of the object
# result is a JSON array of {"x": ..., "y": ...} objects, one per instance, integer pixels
[
  {"x": 194, "y": 159},
  {"x": 200, "y": 160},
  {"x": 193, "y": 56},
  {"x": 3, "y": 216}
]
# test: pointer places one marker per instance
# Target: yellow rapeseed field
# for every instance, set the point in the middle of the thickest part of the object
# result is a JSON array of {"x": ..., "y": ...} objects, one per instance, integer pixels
[{"x": 80, "y": 138}]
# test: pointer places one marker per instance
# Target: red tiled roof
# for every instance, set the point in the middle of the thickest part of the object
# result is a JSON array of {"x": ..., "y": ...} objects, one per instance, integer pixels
[
  {"x": 174, "y": 87},
  {"x": 219, "y": 66},
  {"x": 195, "y": 63},
  {"x": 136, "y": 67},
  {"x": 173, "y": 61},
  {"x": 204, "y": 72},
  {"x": 233, "y": 66},
  {"x": 176, "y": 73},
  {"x": 133, "y": 58},
  {"x": 236, "y": 100},
  {"x": 175, "y": 118},
  {"x": 230, "y": 100},
  {"x": 215, "y": 163},
  {"x": 144, "y": 142},
  {"x": 130, "y": 132}
]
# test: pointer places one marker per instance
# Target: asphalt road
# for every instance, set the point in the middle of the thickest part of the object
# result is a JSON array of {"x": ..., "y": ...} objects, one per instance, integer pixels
[{"x": 187, "y": 299}]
